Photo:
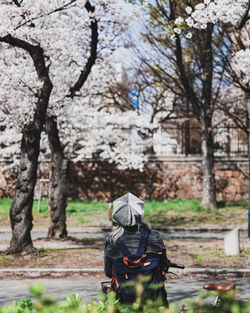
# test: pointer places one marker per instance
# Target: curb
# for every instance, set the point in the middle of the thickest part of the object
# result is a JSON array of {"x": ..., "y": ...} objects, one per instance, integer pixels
[
  {"x": 34, "y": 273},
  {"x": 167, "y": 233},
  {"x": 106, "y": 229}
]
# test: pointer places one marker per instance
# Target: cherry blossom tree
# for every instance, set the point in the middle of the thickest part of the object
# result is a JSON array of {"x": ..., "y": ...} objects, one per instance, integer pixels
[
  {"x": 45, "y": 60},
  {"x": 20, "y": 212},
  {"x": 199, "y": 18},
  {"x": 235, "y": 12},
  {"x": 193, "y": 70}
]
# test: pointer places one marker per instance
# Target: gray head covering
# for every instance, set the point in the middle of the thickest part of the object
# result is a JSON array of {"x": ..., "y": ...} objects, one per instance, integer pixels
[{"x": 128, "y": 210}]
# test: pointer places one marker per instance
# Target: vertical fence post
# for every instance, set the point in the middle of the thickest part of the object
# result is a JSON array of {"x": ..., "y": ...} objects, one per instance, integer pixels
[
  {"x": 42, "y": 182},
  {"x": 110, "y": 211},
  {"x": 40, "y": 197},
  {"x": 248, "y": 111}
]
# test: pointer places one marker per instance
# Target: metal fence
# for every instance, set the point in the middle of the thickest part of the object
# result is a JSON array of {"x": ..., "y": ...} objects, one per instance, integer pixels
[
  {"x": 176, "y": 140},
  {"x": 182, "y": 140}
]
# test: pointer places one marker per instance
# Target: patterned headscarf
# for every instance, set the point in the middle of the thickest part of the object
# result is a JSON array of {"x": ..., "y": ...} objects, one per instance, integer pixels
[{"x": 128, "y": 210}]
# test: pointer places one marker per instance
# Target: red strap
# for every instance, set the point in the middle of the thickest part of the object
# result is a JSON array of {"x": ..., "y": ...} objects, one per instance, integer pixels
[
  {"x": 114, "y": 281},
  {"x": 136, "y": 263}
]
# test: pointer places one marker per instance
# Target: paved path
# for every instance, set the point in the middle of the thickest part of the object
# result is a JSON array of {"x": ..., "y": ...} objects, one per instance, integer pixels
[
  {"x": 88, "y": 289},
  {"x": 187, "y": 273},
  {"x": 95, "y": 232}
]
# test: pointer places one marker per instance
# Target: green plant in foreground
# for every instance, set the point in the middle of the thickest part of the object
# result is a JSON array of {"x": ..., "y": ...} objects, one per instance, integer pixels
[{"x": 109, "y": 304}]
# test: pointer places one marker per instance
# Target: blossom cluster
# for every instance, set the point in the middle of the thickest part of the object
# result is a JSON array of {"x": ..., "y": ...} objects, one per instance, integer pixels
[
  {"x": 62, "y": 29},
  {"x": 225, "y": 11},
  {"x": 241, "y": 65},
  {"x": 212, "y": 11}
]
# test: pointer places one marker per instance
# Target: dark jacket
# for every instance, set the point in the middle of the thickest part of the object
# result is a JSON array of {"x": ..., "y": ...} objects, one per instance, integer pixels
[{"x": 131, "y": 238}]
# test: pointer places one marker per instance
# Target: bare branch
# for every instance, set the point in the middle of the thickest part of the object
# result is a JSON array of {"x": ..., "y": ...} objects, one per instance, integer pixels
[
  {"x": 64, "y": 7},
  {"x": 244, "y": 19},
  {"x": 93, "y": 54}
]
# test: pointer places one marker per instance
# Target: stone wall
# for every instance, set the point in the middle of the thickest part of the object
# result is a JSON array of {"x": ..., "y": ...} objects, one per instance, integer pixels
[{"x": 163, "y": 179}]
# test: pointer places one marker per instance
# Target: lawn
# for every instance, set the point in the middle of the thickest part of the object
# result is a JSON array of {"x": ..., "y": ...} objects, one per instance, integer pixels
[{"x": 178, "y": 212}]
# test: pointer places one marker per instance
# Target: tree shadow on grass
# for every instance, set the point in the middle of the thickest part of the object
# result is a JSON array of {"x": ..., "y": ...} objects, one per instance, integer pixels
[{"x": 163, "y": 221}]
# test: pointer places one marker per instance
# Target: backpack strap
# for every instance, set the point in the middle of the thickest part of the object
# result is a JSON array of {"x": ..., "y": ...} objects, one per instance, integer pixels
[
  {"x": 121, "y": 246},
  {"x": 143, "y": 241},
  {"x": 141, "y": 248}
]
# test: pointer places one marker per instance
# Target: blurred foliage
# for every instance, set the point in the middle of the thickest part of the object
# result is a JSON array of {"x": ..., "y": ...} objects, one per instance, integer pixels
[{"x": 109, "y": 304}]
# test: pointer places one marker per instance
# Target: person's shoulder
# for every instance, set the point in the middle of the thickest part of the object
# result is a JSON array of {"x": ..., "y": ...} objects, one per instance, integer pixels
[
  {"x": 154, "y": 231},
  {"x": 109, "y": 241},
  {"x": 155, "y": 234}
]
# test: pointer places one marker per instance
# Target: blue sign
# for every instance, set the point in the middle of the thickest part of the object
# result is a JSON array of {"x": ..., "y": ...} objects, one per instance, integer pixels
[{"x": 133, "y": 94}]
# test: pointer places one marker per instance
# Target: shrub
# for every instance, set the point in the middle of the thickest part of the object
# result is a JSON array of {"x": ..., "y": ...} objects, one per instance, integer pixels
[{"x": 109, "y": 304}]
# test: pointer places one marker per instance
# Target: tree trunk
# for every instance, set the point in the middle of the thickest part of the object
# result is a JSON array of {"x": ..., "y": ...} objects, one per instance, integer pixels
[
  {"x": 207, "y": 142},
  {"x": 59, "y": 164},
  {"x": 21, "y": 208},
  {"x": 209, "y": 187},
  {"x": 58, "y": 183}
]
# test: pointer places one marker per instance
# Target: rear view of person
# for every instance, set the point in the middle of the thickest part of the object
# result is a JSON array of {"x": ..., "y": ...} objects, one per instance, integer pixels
[{"x": 135, "y": 252}]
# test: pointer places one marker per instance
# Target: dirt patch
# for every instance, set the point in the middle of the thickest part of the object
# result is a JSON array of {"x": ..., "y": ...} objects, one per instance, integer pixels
[
  {"x": 74, "y": 253},
  {"x": 207, "y": 253}
]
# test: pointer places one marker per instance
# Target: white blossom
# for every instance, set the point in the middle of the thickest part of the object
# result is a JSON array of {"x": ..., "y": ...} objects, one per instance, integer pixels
[
  {"x": 189, "y": 21},
  {"x": 177, "y": 30},
  {"x": 179, "y": 20},
  {"x": 226, "y": 11},
  {"x": 189, "y": 35},
  {"x": 62, "y": 29},
  {"x": 189, "y": 10}
]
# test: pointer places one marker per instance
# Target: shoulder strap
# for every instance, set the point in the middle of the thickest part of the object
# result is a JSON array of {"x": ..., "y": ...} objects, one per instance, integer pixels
[
  {"x": 121, "y": 246},
  {"x": 142, "y": 244},
  {"x": 143, "y": 241}
]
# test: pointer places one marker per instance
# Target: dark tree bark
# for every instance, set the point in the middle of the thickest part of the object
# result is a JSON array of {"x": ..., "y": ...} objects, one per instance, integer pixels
[
  {"x": 21, "y": 208},
  {"x": 207, "y": 144},
  {"x": 209, "y": 187},
  {"x": 203, "y": 110},
  {"x": 59, "y": 162},
  {"x": 58, "y": 183}
]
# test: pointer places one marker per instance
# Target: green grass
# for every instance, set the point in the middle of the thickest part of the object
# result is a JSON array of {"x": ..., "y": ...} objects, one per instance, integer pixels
[
  {"x": 184, "y": 212},
  {"x": 73, "y": 207},
  {"x": 177, "y": 212},
  {"x": 178, "y": 205},
  {"x": 5, "y": 204},
  {"x": 86, "y": 207},
  {"x": 224, "y": 204},
  {"x": 245, "y": 253}
]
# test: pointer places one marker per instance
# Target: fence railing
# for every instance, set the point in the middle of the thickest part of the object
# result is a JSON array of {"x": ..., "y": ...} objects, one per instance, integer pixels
[
  {"x": 177, "y": 140},
  {"x": 186, "y": 141}
]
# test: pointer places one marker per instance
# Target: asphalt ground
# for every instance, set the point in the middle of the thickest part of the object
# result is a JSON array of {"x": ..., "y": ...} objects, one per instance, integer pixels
[
  {"x": 168, "y": 233},
  {"x": 88, "y": 289}
]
